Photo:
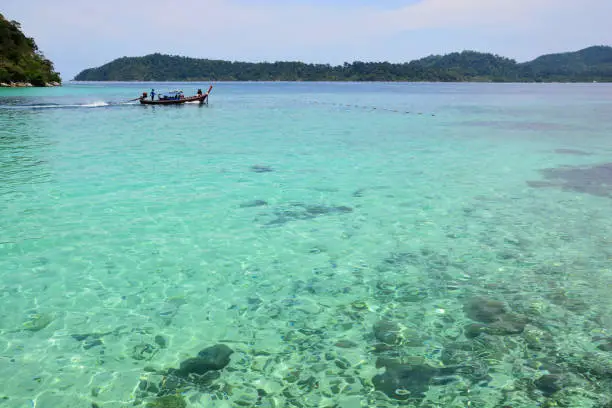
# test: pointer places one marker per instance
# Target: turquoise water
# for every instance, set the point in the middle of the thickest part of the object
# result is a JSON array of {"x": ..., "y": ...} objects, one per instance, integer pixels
[{"x": 433, "y": 245}]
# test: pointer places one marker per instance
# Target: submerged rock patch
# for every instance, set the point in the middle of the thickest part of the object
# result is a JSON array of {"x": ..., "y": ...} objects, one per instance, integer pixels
[
  {"x": 258, "y": 168},
  {"x": 298, "y": 211},
  {"x": 595, "y": 180},
  {"x": 388, "y": 332},
  {"x": 551, "y": 383},
  {"x": 408, "y": 381},
  {"x": 494, "y": 318},
  {"x": 606, "y": 345},
  {"x": 484, "y": 310},
  {"x": 198, "y": 373},
  {"x": 254, "y": 203},
  {"x": 37, "y": 321},
  {"x": 208, "y": 359}
]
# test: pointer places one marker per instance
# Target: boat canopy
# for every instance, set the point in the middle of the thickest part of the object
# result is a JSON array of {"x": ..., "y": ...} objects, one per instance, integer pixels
[{"x": 172, "y": 93}]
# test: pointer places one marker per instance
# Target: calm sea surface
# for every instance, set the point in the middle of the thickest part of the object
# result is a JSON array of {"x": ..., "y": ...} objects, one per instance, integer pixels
[{"x": 325, "y": 245}]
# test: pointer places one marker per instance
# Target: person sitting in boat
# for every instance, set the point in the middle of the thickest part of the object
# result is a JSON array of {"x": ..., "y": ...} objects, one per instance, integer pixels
[{"x": 199, "y": 92}]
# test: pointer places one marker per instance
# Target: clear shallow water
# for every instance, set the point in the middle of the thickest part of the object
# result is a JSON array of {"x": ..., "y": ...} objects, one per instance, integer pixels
[{"x": 354, "y": 244}]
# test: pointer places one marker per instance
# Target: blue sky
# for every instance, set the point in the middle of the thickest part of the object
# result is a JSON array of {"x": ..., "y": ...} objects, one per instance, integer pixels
[{"x": 79, "y": 34}]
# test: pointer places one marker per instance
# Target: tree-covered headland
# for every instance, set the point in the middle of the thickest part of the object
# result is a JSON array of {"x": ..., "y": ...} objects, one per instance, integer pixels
[
  {"x": 20, "y": 59},
  {"x": 587, "y": 65}
]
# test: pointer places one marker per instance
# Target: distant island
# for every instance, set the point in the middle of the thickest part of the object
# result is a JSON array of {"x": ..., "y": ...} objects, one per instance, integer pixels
[
  {"x": 21, "y": 62},
  {"x": 587, "y": 65}
]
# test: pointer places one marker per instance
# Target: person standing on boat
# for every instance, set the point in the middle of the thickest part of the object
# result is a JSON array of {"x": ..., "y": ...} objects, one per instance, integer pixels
[{"x": 152, "y": 94}]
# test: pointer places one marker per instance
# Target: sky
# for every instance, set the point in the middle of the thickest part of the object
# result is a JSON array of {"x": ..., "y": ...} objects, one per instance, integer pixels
[{"x": 80, "y": 34}]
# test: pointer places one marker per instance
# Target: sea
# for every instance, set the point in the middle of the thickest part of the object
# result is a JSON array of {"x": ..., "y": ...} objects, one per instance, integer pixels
[{"x": 330, "y": 245}]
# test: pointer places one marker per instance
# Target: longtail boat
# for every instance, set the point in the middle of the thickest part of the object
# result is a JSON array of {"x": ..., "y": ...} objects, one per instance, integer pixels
[{"x": 174, "y": 98}]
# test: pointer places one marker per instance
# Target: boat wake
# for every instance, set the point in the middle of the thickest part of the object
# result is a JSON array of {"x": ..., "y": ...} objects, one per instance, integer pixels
[{"x": 97, "y": 104}]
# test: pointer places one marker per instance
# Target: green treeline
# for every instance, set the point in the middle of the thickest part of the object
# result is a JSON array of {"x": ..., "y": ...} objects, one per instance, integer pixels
[
  {"x": 20, "y": 58},
  {"x": 587, "y": 65}
]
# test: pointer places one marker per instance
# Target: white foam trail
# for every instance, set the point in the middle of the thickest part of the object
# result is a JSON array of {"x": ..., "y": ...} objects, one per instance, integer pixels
[{"x": 95, "y": 104}]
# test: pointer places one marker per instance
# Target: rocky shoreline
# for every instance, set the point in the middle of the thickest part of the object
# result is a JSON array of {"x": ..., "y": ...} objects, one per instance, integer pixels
[{"x": 25, "y": 84}]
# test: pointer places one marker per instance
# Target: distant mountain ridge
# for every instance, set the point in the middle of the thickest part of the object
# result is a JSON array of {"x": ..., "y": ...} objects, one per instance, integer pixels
[
  {"x": 587, "y": 65},
  {"x": 20, "y": 59}
]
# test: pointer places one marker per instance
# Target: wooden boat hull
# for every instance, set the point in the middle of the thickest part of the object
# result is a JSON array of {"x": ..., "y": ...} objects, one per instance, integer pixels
[
  {"x": 200, "y": 99},
  {"x": 197, "y": 98}
]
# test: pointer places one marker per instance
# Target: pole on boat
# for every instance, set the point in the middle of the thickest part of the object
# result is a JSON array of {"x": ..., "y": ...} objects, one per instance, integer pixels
[{"x": 208, "y": 93}]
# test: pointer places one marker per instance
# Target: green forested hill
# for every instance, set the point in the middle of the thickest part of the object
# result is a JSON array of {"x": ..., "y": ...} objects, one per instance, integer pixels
[
  {"x": 20, "y": 59},
  {"x": 469, "y": 66},
  {"x": 590, "y": 64}
]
